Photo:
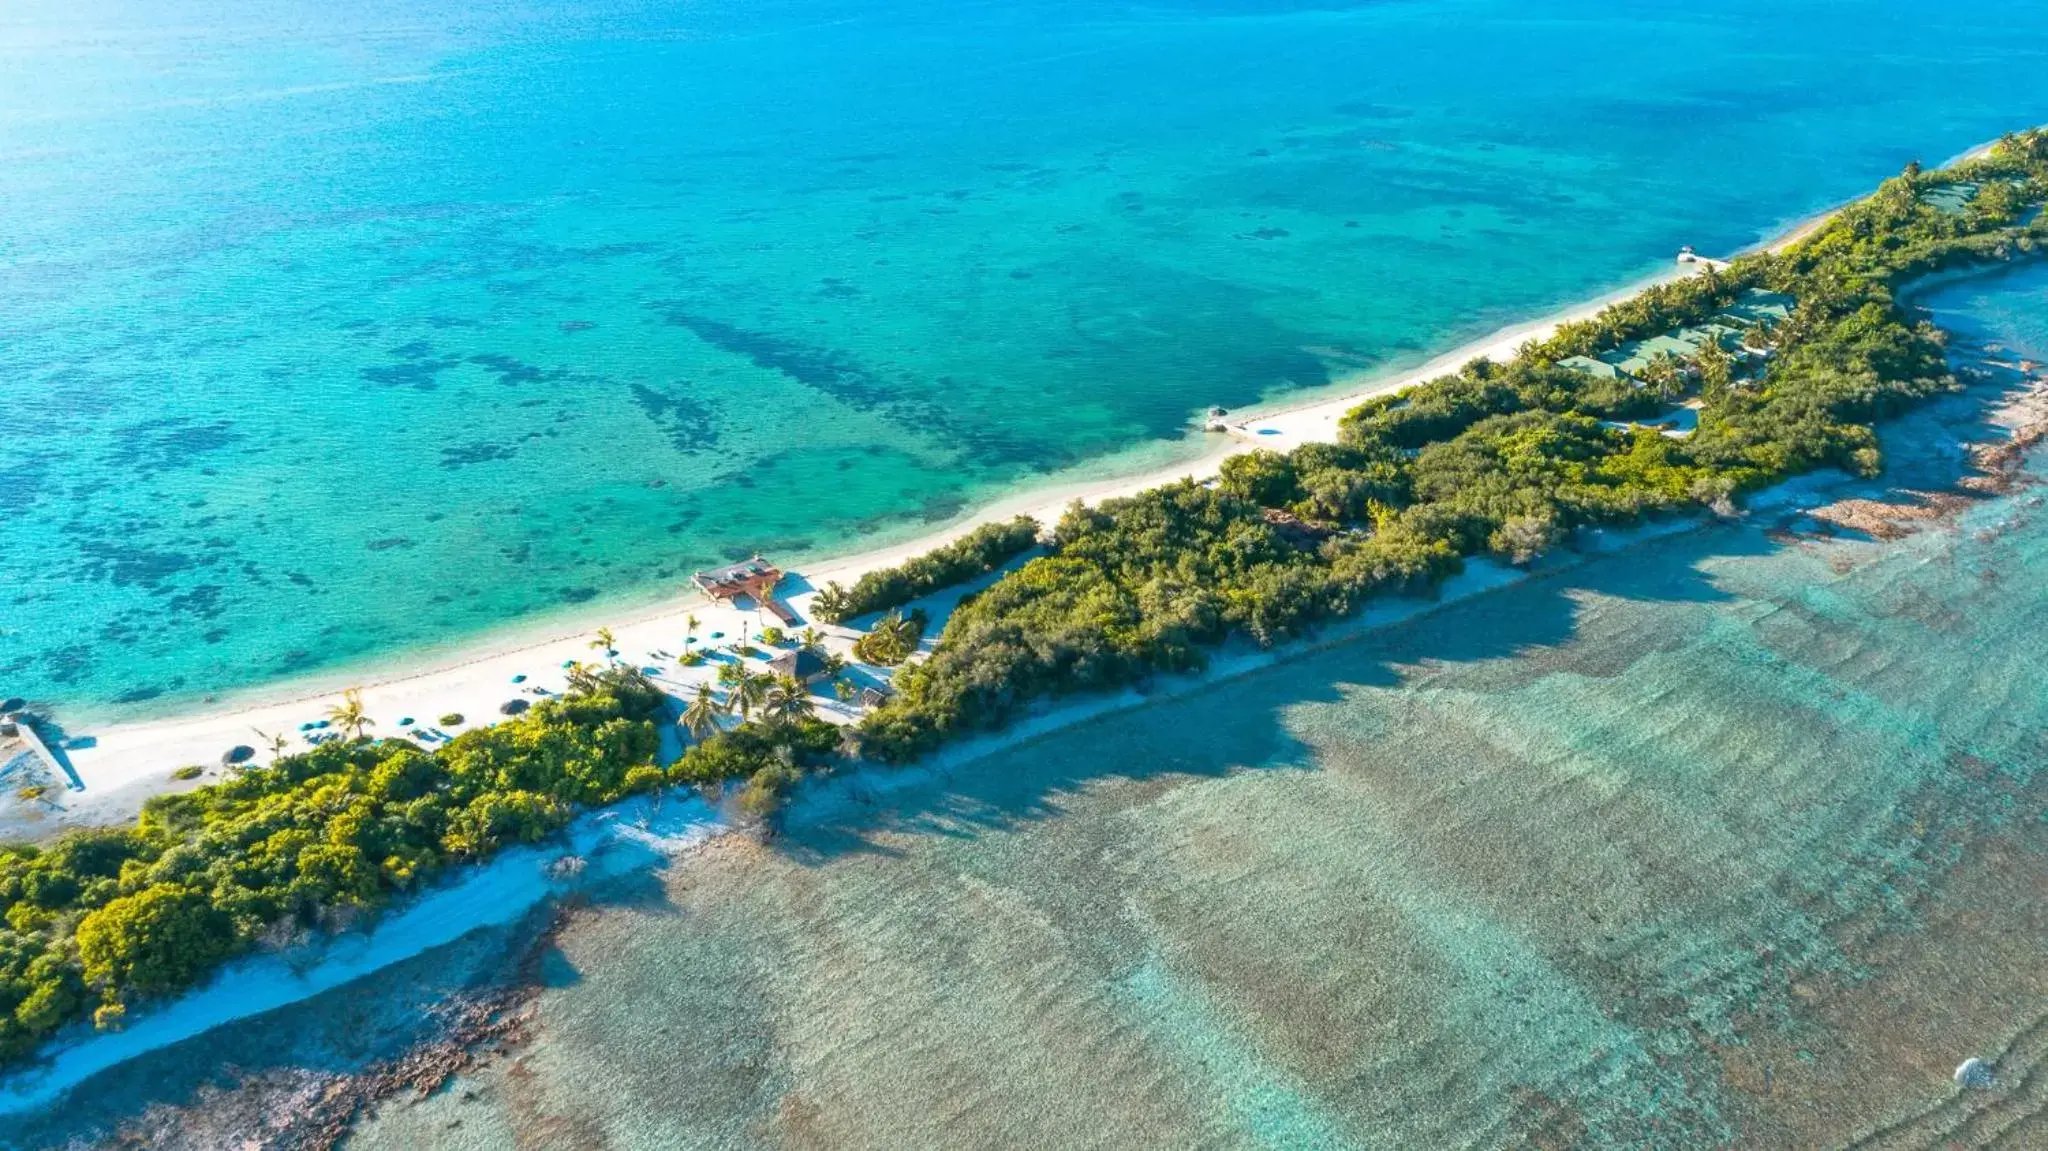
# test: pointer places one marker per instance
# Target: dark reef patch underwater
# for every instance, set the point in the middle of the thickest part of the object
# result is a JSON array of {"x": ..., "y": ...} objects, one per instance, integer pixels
[{"x": 570, "y": 273}]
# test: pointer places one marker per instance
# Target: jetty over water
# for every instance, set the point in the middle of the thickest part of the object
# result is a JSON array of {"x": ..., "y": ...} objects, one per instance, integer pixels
[
  {"x": 21, "y": 727},
  {"x": 755, "y": 578}
]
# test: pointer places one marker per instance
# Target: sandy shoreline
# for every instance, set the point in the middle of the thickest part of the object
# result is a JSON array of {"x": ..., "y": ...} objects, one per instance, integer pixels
[
  {"x": 644, "y": 832},
  {"x": 123, "y": 764}
]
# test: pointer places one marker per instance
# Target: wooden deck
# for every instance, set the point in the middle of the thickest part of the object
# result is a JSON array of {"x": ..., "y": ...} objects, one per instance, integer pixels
[{"x": 755, "y": 578}]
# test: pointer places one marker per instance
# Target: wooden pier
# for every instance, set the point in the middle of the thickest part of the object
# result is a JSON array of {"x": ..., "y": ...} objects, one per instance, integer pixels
[
  {"x": 57, "y": 764},
  {"x": 755, "y": 578}
]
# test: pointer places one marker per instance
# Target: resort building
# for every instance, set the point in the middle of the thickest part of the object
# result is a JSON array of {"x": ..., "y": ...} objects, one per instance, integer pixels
[
  {"x": 803, "y": 665},
  {"x": 1952, "y": 199},
  {"x": 755, "y": 578},
  {"x": 1725, "y": 328},
  {"x": 1681, "y": 345},
  {"x": 1593, "y": 367},
  {"x": 1757, "y": 306}
]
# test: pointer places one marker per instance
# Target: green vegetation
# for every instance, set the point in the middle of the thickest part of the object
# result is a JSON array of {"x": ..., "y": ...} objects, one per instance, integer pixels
[
  {"x": 190, "y": 771},
  {"x": 452, "y": 719},
  {"x": 700, "y": 717},
  {"x": 980, "y": 551},
  {"x": 773, "y": 636},
  {"x": 100, "y": 919},
  {"x": 1506, "y": 460},
  {"x": 348, "y": 716},
  {"x": 893, "y": 638},
  {"x": 769, "y": 755},
  {"x": 746, "y": 690}
]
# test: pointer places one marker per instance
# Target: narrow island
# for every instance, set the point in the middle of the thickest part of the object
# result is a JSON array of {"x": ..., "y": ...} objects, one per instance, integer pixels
[{"x": 1679, "y": 401}]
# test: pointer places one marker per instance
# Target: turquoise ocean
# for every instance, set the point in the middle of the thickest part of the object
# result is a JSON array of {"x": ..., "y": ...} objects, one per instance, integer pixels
[
  {"x": 1734, "y": 838},
  {"x": 331, "y": 332}
]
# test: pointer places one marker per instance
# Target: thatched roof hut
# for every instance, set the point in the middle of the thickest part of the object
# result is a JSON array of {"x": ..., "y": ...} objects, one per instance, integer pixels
[{"x": 803, "y": 664}]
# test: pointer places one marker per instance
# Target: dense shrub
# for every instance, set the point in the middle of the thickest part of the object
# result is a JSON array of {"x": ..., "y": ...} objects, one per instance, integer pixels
[
  {"x": 1494, "y": 459},
  {"x": 1502, "y": 460},
  {"x": 980, "y": 551},
  {"x": 97, "y": 919}
]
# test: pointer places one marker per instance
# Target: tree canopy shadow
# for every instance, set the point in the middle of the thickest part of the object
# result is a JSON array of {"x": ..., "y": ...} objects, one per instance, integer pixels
[
  {"x": 1240, "y": 722},
  {"x": 1198, "y": 729}
]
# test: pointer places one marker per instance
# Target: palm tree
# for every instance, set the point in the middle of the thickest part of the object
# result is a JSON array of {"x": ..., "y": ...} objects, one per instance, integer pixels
[
  {"x": 749, "y": 689},
  {"x": 1716, "y": 368},
  {"x": 813, "y": 639},
  {"x": 690, "y": 623},
  {"x": 582, "y": 680},
  {"x": 605, "y": 642},
  {"x": 1665, "y": 375},
  {"x": 348, "y": 715},
  {"x": 892, "y": 639},
  {"x": 833, "y": 663},
  {"x": 277, "y": 742},
  {"x": 788, "y": 699},
  {"x": 730, "y": 673},
  {"x": 700, "y": 719},
  {"x": 627, "y": 679},
  {"x": 831, "y": 603}
]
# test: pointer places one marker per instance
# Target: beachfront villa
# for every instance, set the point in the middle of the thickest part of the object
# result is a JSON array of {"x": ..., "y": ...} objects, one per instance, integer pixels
[
  {"x": 1952, "y": 199},
  {"x": 1593, "y": 367},
  {"x": 755, "y": 578},
  {"x": 1725, "y": 328}
]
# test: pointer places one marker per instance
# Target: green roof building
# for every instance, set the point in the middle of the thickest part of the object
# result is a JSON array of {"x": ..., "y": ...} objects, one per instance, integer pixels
[
  {"x": 1953, "y": 199},
  {"x": 1593, "y": 367}
]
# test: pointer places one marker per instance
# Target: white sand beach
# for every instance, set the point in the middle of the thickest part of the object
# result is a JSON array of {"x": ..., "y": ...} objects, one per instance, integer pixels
[{"x": 122, "y": 765}]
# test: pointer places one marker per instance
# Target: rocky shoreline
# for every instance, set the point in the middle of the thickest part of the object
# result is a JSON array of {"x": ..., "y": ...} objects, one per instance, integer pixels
[
  {"x": 1995, "y": 467},
  {"x": 303, "y": 1109}
]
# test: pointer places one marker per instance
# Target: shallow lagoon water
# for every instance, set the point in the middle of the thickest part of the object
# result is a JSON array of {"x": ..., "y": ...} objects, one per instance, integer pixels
[
  {"x": 1735, "y": 838},
  {"x": 1725, "y": 841},
  {"x": 1716, "y": 846},
  {"x": 329, "y": 332}
]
